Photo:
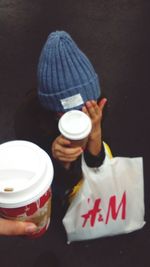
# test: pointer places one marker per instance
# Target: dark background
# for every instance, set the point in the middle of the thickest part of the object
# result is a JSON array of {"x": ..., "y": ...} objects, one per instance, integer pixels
[{"x": 115, "y": 34}]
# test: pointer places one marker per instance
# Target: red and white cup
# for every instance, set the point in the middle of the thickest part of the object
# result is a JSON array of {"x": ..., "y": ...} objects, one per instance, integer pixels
[
  {"x": 76, "y": 126},
  {"x": 26, "y": 174}
]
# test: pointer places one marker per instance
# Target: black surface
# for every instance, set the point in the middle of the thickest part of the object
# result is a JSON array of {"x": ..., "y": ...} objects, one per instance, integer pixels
[{"x": 116, "y": 37}]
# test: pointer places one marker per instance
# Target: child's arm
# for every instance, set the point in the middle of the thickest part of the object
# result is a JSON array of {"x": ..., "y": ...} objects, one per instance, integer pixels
[{"x": 94, "y": 111}]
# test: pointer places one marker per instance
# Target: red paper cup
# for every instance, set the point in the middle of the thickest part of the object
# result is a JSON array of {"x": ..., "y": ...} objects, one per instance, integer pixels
[
  {"x": 25, "y": 193},
  {"x": 38, "y": 212}
]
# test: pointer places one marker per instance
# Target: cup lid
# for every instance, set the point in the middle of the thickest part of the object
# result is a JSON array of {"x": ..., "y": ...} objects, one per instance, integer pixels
[
  {"x": 75, "y": 125},
  {"x": 26, "y": 172}
]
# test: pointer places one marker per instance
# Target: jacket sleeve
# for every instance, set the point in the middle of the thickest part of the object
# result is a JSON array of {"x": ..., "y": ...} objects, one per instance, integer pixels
[{"x": 94, "y": 161}]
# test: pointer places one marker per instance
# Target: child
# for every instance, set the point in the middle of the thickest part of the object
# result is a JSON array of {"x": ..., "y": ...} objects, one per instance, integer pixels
[{"x": 66, "y": 81}]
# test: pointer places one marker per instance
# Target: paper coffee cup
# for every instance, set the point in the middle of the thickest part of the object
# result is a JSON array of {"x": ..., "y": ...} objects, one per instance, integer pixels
[
  {"x": 26, "y": 174},
  {"x": 75, "y": 125}
]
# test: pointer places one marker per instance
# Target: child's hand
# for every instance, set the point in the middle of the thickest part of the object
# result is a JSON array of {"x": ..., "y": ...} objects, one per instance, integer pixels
[
  {"x": 94, "y": 111},
  {"x": 62, "y": 152}
]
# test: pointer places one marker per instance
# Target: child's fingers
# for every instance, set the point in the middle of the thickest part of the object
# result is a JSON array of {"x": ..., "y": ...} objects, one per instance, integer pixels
[
  {"x": 63, "y": 145},
  {"x": 95, "y": 106},
  {"x": 59, "y": 148},
  {"x": 92, "y": 109},
  {"x": 68, "y": 154},
  {"x": 71, "y": 152},
  {"x": 102, "y": 104},
  {"x": 84, "y": 109},
  {"x": 63, "y": 141}
]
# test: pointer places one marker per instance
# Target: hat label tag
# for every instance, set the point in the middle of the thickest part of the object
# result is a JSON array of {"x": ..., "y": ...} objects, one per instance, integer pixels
[{"x": 72, "y": 101}]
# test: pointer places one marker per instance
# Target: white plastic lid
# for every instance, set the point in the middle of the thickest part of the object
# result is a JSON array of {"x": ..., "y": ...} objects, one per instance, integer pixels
[
  {"x": 26, "y": 172},
  {"x": 75, "y": 125}
]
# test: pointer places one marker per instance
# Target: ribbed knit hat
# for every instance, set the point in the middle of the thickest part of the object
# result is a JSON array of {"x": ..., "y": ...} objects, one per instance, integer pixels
[{"x": 66, "y": 78}]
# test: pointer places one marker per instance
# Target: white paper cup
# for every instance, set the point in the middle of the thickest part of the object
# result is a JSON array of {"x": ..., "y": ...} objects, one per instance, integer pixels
[
  {"x": 26, "y": 174},
  {"x": 76, "y": 126}
]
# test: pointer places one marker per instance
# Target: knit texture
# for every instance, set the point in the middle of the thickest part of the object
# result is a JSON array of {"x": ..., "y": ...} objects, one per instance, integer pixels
[{"x": 66, "y": 77}]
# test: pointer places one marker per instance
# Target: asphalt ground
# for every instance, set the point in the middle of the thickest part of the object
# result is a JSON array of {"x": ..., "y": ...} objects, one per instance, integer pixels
[{"x": 116, "y": 37}]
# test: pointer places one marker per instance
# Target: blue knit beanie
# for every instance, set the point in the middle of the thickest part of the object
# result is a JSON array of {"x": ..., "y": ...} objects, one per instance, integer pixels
[{"x": 66, "y": 78}]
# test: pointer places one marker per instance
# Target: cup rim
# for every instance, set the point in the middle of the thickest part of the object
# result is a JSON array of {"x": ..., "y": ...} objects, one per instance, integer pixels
[
  {"x": 76, "y": 135},
  {"x": 10, "y": 199}
]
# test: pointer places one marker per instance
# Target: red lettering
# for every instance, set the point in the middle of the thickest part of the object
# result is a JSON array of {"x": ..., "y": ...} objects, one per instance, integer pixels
[
  {"x": 114, "y": 211},
  {"x": 91, "y": 214},
  {"x": 94, "y": 214}
]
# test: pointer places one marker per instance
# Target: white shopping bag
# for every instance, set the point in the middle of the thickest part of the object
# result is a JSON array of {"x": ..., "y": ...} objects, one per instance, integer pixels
[{"x": 109, "y": 202}]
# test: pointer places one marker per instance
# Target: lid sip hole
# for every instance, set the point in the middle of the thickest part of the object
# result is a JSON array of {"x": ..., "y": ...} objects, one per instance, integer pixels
[{"x": 8, "y": 189}]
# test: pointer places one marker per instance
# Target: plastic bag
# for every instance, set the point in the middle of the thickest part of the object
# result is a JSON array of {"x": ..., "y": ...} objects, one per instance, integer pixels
[{"x": 109, "y": 202}]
